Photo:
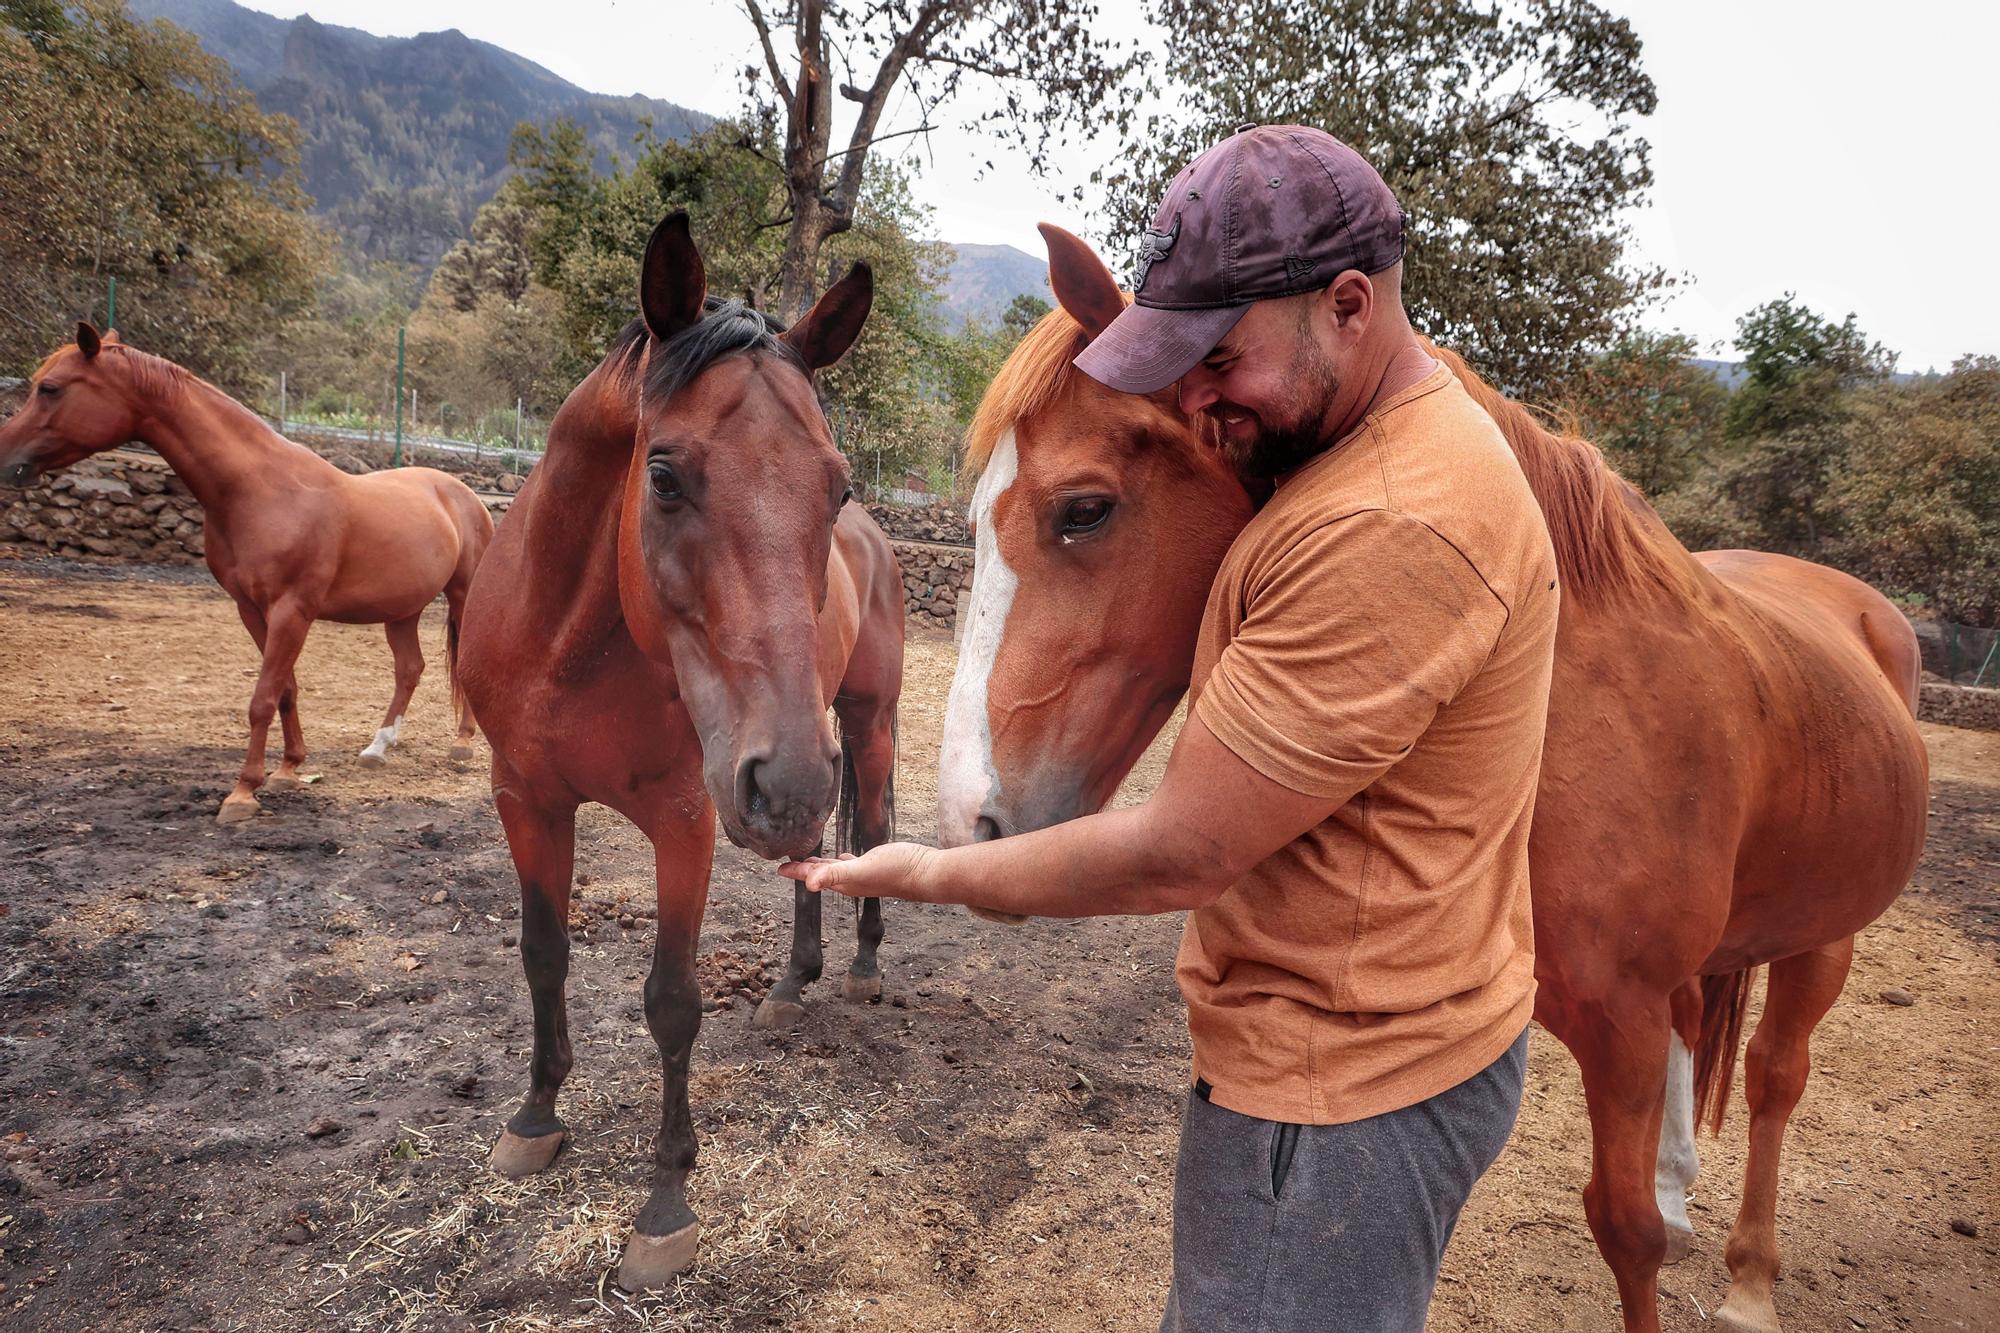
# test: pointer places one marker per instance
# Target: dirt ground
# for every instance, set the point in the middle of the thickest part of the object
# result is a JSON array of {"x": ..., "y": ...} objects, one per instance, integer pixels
[{"x": 248, "y": 1075}]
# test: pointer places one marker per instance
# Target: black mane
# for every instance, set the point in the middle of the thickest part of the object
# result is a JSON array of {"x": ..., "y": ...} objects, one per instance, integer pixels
[{"x": 725, "y": 328}]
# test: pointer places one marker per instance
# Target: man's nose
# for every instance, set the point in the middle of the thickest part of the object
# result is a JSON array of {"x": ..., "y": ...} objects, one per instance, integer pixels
[{"x": 1197, "y": 390}]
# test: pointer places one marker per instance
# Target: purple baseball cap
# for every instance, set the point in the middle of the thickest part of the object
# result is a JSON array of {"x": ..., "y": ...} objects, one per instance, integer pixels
[{"x": 1273, "y": 210}]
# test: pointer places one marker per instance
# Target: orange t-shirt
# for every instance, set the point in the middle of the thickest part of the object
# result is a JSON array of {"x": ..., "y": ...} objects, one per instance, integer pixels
[{"x": 1381, "y": 633}]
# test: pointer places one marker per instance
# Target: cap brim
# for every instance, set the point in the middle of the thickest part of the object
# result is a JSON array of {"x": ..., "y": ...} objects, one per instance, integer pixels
[{"x": 1145, "y": 349}]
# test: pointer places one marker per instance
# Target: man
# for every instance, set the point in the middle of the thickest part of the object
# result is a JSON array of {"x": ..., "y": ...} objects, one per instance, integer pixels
[{"x": 1345, "y": 814}]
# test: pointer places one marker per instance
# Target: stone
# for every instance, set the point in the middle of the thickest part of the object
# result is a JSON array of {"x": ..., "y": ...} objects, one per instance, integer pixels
[
  {"x": 322, "y": 1127},
  {"x": 1964, "y": 1227},
  {"x": 1901, "y": 998}
]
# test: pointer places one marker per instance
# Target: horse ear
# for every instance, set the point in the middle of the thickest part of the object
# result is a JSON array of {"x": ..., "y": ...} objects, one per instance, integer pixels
[
  {"x": 672, "y": 283},
  {"x": 1083, "y": 286},
  {"x": 87, "y": 340},
  {"x": 824, "y": 333}
]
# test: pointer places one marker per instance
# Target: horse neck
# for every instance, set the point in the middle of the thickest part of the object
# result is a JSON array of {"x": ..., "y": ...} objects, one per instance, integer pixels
[
  {"x": 569, "y": 521},
  {"x": 219, "y": 447}
]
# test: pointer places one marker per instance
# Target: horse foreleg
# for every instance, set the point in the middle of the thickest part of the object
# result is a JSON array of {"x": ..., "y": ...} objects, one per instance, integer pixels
[
  {"x": 543, "y": 844},
  {"x": 872, "y": 756},
  {"x": 287, "y": 777},
  {"x": 284, "y": 636},
  {"x": 785, "y": 1006},
  {"x": 1679, "y": 1162},
  {"x": 409, "y": 655},
  {"x": 662, "y": 1243},
  {"x": 1776, "y": 1064},
  {"x": 1620, "y": 1046}
]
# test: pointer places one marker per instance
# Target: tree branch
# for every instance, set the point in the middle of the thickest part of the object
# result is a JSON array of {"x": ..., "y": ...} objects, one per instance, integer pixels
[
  {"x": 770, "y": 52},
  {"x": 922, "y": 28}
]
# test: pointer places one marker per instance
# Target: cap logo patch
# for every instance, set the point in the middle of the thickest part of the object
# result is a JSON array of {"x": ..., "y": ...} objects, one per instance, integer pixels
[
  {"x": 1297, "y": 269},
  {"x": 1155, "y": 246}
]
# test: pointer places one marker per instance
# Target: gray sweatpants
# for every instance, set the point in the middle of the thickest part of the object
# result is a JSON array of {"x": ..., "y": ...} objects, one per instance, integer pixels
[{"x": 1332, "y": 1228}]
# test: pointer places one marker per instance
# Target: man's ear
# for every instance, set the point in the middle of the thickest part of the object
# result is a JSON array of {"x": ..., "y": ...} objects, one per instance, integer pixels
[{"x": 1348, "y": 302}]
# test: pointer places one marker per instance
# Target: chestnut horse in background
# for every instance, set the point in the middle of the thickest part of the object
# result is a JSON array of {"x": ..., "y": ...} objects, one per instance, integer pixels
[
  {"x": 289, "y": 536},
  {"x": 678, "y": 595},
  {"x": 1732, "y": 773}
]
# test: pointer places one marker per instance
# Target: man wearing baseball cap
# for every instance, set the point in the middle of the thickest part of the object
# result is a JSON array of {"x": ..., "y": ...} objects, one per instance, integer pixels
[{"x": 1345, "y": 814}]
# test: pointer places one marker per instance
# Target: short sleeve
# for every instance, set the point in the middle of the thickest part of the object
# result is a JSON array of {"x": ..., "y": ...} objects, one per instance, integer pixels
[{"x": 1351, "y": 641}]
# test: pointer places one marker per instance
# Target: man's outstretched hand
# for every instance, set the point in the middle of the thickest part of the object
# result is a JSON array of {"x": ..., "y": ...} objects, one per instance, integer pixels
[{"x": 893, "y": 870}]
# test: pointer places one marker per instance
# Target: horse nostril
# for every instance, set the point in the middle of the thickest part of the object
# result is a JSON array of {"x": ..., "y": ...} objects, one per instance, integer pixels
[
  {"x": 751, "y": 802},
  {"x": 985, "y": 829}
]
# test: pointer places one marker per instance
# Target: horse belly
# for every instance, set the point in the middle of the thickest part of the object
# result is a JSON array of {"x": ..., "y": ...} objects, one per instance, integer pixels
[{"x": 1833, "y": 853}]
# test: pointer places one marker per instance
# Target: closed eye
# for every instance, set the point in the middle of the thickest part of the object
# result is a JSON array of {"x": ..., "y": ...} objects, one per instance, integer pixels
[{"x": 50, "y": 389}]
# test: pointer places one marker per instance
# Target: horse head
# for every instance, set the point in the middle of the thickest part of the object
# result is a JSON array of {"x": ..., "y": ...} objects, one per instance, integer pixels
[
  {"x": 725, "y": 529},
  {"x": 1100, "y": 519},
  {"x": 78, "y": 405}
]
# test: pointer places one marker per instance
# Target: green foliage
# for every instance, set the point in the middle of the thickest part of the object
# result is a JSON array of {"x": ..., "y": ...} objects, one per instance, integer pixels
[
  {"x": 1650, "y": 408},
  {"x": 1506, "y": 131},
  {"x": 1918, "y": 495},
  {"x": 126, "y": 151},
  {"x": 584, "y": 233},
  {"x": 1023, "y": 313},
  {"x": 1796, "y": 366}
]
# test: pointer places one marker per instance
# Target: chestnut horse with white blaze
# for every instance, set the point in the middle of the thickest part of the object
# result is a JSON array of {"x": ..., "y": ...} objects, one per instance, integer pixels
[
  {"x": 1732, "y": 773},
  {"x": 679, "y": 594},
  {"x": 290, "y": 537}
]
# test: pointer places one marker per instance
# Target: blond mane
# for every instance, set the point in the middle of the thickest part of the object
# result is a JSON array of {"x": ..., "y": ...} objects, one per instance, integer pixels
[
  {"x": 1608, "y": 540},
  {"x": 1034, "y": 375}
]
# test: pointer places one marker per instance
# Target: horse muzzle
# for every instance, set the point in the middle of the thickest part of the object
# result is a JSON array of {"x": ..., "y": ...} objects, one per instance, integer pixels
[
  {"x": 22, "y": 473},
  {"x": 778, "y": 803}
]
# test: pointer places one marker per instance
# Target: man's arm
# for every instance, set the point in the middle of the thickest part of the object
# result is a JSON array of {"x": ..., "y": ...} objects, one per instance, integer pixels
[{"x": 1212, "y": 819}]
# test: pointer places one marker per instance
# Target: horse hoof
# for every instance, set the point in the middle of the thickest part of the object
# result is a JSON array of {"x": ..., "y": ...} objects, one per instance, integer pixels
[
  {"x": 1680, "y": 1244},
  {"x": 235, "y": 809},
  {"x": 654, "y": 1261},
  {"x": 861, "y": 990},
  {"x": 1748, "y": 1314},
  {"x": 515, "y": 1157},
  {"x": 461, "y": 753},
  {"x": 283, "y": 782},
  {"x": 774, "y": 1013},
  {"x": 1004, "y": 918},
  {"x": 371, "y": 760}
]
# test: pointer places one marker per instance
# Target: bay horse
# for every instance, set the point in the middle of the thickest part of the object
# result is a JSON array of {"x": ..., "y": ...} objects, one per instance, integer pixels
[
  {"x": 290, "y": 537},
  {"x": 679, "y": 593},
  {"x": 1732, "y": 772}
]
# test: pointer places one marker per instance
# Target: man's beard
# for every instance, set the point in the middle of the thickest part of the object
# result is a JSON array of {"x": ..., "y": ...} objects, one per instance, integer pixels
[{"x": 1278, "y": 449}]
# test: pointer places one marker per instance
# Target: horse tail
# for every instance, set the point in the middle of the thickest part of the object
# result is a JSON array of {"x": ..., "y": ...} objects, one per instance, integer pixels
[
  {"x": 457, "y": 683},
  {"x": 1723, "y": 1000},
  {"x": 847, "y": 808}
]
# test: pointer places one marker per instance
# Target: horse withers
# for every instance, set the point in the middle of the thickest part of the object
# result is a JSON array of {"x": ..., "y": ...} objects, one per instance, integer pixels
[
  {"x": 679, "y": 593},
  {"x": 1732, "y": 774},
  {"x": 291, "y": 538}
]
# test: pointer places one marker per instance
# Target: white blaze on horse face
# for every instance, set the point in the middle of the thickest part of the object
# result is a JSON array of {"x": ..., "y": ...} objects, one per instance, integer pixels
[
  {"x": 966, "y": 777},
  {"x": 1674, "y": 1172}
]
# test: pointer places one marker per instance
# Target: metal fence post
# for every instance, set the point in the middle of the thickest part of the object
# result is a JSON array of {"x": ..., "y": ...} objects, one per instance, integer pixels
[{"x": 399, "y": 398}]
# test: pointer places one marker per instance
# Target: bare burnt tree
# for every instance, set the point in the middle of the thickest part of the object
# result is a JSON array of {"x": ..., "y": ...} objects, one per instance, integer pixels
[{"x": 1050, "y": 70}]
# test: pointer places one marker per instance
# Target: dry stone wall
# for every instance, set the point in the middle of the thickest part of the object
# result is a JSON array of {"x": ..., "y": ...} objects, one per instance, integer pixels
[
  {"x": 126, "y": 506},
  {"x": 1959, "y": 706}
]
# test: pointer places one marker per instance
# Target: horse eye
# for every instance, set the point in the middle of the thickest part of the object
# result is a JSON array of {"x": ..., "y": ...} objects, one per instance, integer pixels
[
  {"x": 1085, "y": 516},
  {"x": 666, "y": 484},
  {"x": 846, "y": 496},
  {"x": 51, "y": 389}
]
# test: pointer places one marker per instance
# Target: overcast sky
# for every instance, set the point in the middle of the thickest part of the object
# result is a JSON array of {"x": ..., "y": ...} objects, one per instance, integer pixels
[{"x": 1844, "y": 152}]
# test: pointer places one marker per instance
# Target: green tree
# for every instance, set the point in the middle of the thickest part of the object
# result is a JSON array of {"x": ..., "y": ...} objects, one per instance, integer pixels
[
  {"x": 1796, "y": 366},
  {"x": 127, "y": 152},
  {"x": 1507, "y": 131},
  {"x": 1023, "y": 313},
  {"x": 1789, "y": 420},
  {"x": 1918, "y": 492},
  {"x": 1650, "y": 408}
]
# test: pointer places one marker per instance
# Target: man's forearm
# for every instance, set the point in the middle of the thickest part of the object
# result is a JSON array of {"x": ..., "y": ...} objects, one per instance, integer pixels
[{"x": 1109, "y": 864}]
